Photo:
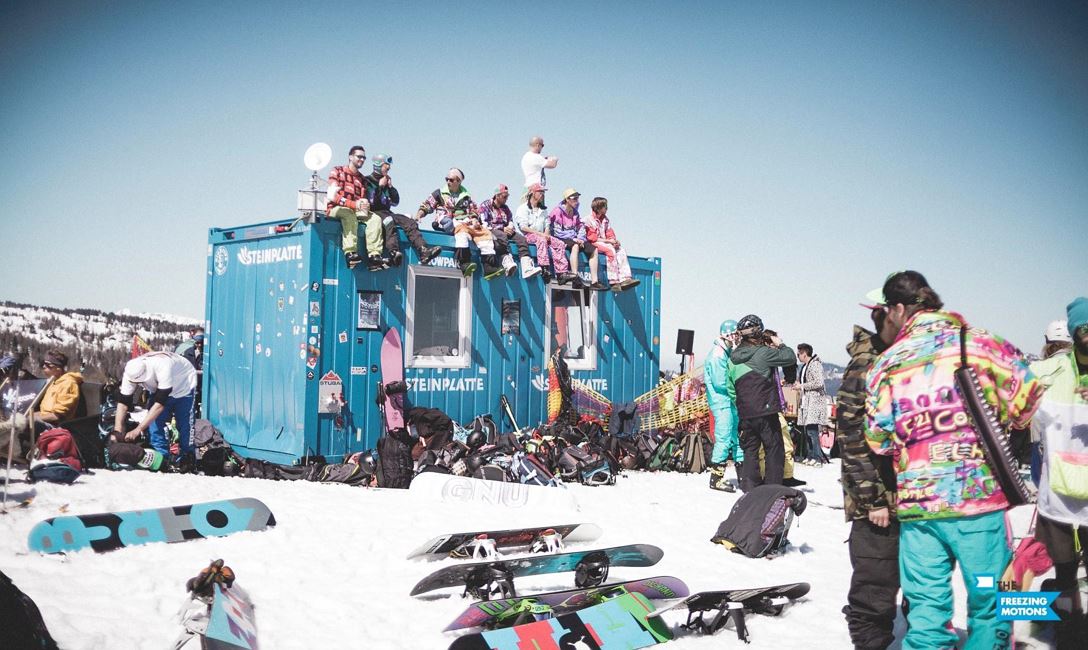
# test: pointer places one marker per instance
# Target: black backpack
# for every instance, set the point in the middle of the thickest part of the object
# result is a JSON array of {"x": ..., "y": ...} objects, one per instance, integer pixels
[
  {"x": 395, "y": 465},
  {"x": 759, "y": 522}
]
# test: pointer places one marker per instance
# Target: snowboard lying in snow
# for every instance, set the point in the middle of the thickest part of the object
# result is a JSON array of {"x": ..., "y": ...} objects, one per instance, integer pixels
[
  {"x": 462, "y": 489},
  {"x": 492, "y": 613},
  {"x": 732, "y": 604},
  {"x": 623, "y": 623},
  {"x": 113, "y": 530},
  {"x": 590, "y": 567},
  {"x": 443, "y": 545}
]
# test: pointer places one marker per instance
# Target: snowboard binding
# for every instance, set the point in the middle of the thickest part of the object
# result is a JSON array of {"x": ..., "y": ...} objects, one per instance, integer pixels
[
  {"x": 489, "y": 580},
  {"x": 592, "y": 570},
  {"x": 697, "y": 619},
  {"x": 548, "y": 541},
  {"x": 201, "y": 585},
  {"x": 479, "y": 548}
]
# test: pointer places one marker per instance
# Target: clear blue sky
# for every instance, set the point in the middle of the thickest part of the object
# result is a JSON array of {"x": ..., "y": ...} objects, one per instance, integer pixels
[{"x": 781, "y": 158}]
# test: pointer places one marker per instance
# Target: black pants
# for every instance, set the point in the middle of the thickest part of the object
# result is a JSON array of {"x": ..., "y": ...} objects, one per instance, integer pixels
[
  {"x": 764, "y": 431},
  {"x": 870, "y": 612},
  {"x": 405, "y": 223},
  {"x": 502, "y": 242}
]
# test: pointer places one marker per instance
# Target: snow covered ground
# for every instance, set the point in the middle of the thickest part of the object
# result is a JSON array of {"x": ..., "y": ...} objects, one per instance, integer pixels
[{"x": 333, "y": 572}]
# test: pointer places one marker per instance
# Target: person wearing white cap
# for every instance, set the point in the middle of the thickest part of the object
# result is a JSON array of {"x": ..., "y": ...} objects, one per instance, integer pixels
[
  {"x": 1057, "y": 339},
  {"x": 171, "y": 381},
  {"x": 456, "y": 213},
  {"x": 496, "y": 215}
]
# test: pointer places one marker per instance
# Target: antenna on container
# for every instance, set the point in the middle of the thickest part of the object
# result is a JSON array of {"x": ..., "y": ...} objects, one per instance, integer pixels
[{"x": 311, "y": 200}]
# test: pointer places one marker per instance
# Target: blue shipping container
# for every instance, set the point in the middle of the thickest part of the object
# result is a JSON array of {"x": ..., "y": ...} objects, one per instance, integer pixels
[{"x": 293, "y": 348}]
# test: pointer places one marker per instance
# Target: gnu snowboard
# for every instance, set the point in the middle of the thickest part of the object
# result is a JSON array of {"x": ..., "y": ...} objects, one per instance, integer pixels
[
  {"x": 591, "y": 567},
  {"x": 492, "y": 613},
  {"x": 622, "y": 623},
  {"x": 113, "y": 530},
  {"x": 443, "y": 545},
  {"x": 430, "y": 486},
  {"x": 732, "y": 604}
]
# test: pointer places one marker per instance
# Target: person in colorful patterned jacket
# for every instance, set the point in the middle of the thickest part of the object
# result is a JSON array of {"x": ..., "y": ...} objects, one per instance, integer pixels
[
  {"x": 499, "y": 220},
  {"x": 347, "y": 203},
  {"x": 1063, "y": 477},
  {"x": 383, "y": 197},
  {"x": 600, "y": 235},
  {"x": 949, "y": 504},
  {"x": 721, "y": 397},
  {"x": 531, "y": 220},
  {"x": 868, "y": 492},
  {"x": 566, "y": 225},
  {"x": 456, "y": 214}
]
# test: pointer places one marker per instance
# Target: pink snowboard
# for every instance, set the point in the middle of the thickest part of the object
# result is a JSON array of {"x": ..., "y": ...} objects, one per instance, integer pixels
[{"x": 393, "y": 373}]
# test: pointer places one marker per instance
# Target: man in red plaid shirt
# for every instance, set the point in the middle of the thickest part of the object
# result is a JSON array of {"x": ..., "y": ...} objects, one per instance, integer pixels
[{"x": 346, "y": 197}]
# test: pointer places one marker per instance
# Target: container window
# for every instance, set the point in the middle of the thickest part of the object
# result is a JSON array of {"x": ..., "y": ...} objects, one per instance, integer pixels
[
  {"x": 572, "y": 327},
  {"x": 439, "y": 307}
]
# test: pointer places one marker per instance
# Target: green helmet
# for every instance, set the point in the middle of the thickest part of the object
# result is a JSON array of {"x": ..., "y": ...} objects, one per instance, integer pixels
[{"x": 728, "y": 327}]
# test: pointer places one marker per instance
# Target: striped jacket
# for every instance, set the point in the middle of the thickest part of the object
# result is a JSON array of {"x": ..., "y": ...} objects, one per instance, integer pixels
[{"x": 868, "y": 480}]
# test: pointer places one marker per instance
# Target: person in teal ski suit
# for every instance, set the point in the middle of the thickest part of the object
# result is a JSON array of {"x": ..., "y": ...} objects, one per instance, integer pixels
[{"x": 721, "y": 398}]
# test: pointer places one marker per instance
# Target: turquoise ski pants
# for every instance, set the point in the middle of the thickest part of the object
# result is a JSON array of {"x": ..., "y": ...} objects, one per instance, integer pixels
[
  {"x": 928, "y": 551},
  {"x": 726, "y": 438}
]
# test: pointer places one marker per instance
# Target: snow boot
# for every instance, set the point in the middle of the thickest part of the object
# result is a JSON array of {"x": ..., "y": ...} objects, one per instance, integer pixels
[
  {"x": 428, "y": 253},
  {"x": 598, "y": 286},
  {"x": 396, "y": 258},
  {"x": 567, "y": 278},
  {"x": 718, "y": 480},
  {"x": 468, "y": 268},
  {"x": 528, "y": 269},
  {"x": 352, "y": 259}
]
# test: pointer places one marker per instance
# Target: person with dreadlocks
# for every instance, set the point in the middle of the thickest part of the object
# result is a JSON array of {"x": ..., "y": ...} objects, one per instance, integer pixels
[
  {"x": 758, "y": 404},
  {"x": 950, "y": 507}
]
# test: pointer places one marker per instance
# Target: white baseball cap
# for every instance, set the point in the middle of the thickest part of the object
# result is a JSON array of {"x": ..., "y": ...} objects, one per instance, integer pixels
[{"x": 1058, "y": 332}]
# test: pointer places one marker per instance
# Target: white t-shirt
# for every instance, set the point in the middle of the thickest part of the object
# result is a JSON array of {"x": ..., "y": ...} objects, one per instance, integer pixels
[
  {"x": 532, "y": 165},
  {"x": 156, "y": 370}
]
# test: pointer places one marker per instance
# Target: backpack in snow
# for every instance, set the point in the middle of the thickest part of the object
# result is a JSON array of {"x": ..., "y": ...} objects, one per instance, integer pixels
[
  {"x": 490, "y": 473},
  {"x": 58, "y": 445},
  {"x": 530, "y": 471},
  {"x": 645, "y": 445},
  {"x": 20, "y": 619},
  {"x": 395, "y": 465},
  {"x": 52, "y": 471},
  {"x": 692, "y": 453},
  {"x": 760, "y": 521},
  {"x": 349, "y": 473},
  {"x": 664, "y": 456}
]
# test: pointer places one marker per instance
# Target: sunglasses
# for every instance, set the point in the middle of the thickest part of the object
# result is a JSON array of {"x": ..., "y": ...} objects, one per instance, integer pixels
[
  {"x": 358, "y": 157},
  {"x": 46, "y": 364},
  {"x": 453, "y": 180}
]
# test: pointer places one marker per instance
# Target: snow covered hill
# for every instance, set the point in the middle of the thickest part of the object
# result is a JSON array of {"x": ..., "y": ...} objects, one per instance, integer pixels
[
  {"x": 96, "y": 340},
  {"x": 333, "y": 573}
]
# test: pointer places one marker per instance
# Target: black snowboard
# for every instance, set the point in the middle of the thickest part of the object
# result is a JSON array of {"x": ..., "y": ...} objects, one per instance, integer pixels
[
  {"x": 477, "y": 577},
  {"x": 442, "y": 545},
  {"x": 721, "y": 606}
]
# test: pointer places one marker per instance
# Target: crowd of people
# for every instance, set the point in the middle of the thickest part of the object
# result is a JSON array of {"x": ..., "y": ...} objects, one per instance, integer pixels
[
  {"x": 561, "y": 235},
  {"x": 920, "y": 482}
]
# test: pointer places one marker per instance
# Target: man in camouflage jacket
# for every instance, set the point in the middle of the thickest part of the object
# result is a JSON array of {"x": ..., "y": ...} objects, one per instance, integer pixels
[{"x": 868, "y": 482}]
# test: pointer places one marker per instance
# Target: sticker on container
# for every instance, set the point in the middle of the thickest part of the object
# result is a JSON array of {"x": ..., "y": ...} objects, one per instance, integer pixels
[
  {"x": 342, "y": 337},
  {"x": 315, "y": 308},
  {"x": 314, "y": 329},
  {"x": 302, "y": 354},
  {"x": 315, "y": 286},
  {"x": 330, "y": 393},
  {"x": 280, "y": 303},
  {"x": 332, "y": 282},
  {"x": 257, "y": 348},
  {"x": 257, "y": 328},
  {"x": 358, "y": 370},
  {"x": 313, "y": 340},
  {"x": 310, "y": 375},
  {"x": 311, "y": 363},
  {"x": 290, "y": 300},
  {"x": 267, "y": 352}
]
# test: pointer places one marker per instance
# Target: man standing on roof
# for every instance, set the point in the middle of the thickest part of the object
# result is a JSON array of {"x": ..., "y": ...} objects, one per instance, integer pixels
[
  {"x": 171, "y": 381},
  {"x": 721, "y": 397},
  {"x": 758, "y": 404},
  {"x": 496, "y": 215},
  {"x": 868, "y": 491},
  {"x": 950, "y": 506},
  {"x": 533, "y": 163},
  {"x": 456, "y": 214},
  {"x": 383, "y": 197}
]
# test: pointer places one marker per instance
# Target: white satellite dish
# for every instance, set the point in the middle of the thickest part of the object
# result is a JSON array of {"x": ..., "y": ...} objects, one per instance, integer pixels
[{"x": 317, "y": 156}]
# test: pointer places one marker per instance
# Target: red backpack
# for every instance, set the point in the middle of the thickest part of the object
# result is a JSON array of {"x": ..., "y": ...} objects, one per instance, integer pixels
[{"x": 58, "y": 444}]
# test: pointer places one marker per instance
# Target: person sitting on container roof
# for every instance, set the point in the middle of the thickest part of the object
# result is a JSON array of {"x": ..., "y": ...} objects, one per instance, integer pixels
[
  {"x": 497, "y": 217},
  {"x": 347, "y": 203},
  {"x": 383, "y": 197},
  {"x": 171, "y": 380},
  {"x": 566, "y": 224},
  {"x": 456, "y": 213},
  {"x": 600, "y": 235},
  {"x": 531, "y": 219}
]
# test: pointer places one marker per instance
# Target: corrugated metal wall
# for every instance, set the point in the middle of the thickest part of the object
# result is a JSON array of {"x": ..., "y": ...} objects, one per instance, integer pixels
[{"x": 303, "y": 314}]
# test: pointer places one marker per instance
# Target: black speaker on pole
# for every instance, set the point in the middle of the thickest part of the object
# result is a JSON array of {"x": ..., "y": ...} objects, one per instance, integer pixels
[{"x": 685, "y": 339}]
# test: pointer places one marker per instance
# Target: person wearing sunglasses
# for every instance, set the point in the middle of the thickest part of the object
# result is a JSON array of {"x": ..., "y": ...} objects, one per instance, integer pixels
[
  {"x": 533, "y": 163},
  {"x": 347, "y": 203},
  {"x": 383, "y": 197},
  {"x": 456, "y": 213},
  {"x": 498, "y": 218},
  {"x": 1062, "y": 422},
  {"x": 949, "y": 503},
  {"x": 61, "y": 399},
  {"x": 868, "y": 492}
]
